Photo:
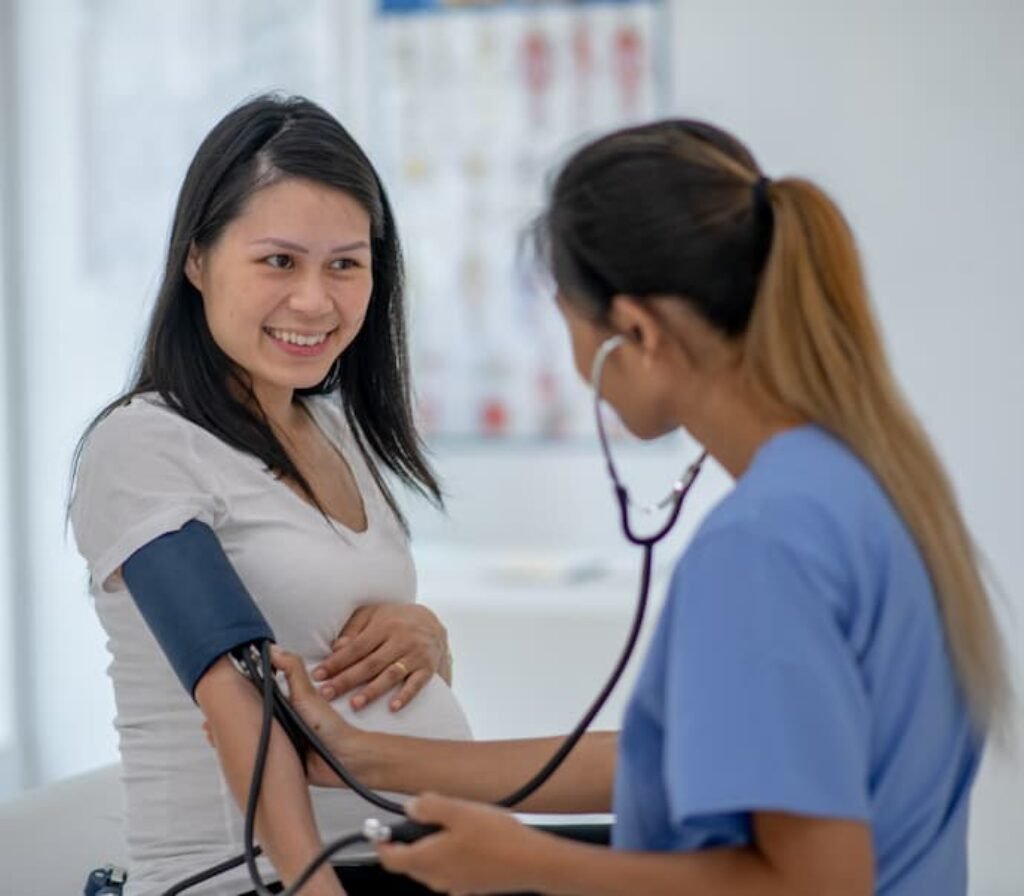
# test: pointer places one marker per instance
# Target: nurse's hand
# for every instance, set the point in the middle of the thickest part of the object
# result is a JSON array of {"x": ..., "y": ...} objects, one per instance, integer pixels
[
  {"x": 384, "y": 646},
  {"x": 352, "y": 746},
  {"x": 481, "y": 849},
  {"x": 349, "y": 744}
]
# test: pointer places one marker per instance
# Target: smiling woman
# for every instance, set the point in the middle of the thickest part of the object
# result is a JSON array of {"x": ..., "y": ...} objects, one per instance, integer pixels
[
  {"x": 285, "y": 306},
  {"x": 271, "y": 392}
]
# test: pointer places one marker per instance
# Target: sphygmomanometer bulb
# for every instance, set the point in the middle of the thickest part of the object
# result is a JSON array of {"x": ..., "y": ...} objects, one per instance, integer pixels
[{"x": 404, "y": 832}]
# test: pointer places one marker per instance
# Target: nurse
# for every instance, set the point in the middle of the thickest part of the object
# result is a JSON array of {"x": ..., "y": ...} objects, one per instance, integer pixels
[{"x": 811, "y": 714}]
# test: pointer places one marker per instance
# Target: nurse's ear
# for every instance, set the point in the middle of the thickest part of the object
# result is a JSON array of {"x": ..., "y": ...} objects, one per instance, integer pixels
[{"x": 645, "y": 324}]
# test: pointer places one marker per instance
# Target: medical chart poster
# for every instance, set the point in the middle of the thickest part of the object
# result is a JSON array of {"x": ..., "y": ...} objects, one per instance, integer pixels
[{"x": 474, "y": 105}]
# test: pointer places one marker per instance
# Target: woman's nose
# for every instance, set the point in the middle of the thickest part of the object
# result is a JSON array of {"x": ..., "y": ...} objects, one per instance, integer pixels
[{"x": 311, "y": 296}]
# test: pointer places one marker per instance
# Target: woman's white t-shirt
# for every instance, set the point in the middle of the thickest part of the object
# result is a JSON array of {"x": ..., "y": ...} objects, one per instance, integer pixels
[{"x": 146, "y": 471}]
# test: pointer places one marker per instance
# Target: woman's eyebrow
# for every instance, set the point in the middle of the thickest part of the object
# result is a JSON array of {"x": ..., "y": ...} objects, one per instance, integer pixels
[
  {"x": 349, "y": 247},
  {"x": 295, "y": 247}
]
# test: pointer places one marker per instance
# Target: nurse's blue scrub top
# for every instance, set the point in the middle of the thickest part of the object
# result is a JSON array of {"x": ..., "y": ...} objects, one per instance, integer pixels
[{"x": 799, "y": 665}]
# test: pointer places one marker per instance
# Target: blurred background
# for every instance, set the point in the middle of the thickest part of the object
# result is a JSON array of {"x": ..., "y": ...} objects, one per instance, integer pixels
[{"x": 911, "y": 114}]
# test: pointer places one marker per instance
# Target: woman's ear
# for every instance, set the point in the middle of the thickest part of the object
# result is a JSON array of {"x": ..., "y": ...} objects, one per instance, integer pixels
[{"x": 194, "y": 266}]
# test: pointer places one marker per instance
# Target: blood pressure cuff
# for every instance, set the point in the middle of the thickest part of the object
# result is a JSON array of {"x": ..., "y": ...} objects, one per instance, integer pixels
[{"x": 192, "y": 600}]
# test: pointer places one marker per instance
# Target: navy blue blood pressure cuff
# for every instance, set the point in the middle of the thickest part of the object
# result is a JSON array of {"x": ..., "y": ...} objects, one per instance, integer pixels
[{"x": 192, "y": 600}]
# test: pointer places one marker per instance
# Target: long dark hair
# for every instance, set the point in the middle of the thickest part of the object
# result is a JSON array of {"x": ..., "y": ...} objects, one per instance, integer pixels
[
  {"x": 680, "y": 208},
  {"x": 265, "y": 140}
]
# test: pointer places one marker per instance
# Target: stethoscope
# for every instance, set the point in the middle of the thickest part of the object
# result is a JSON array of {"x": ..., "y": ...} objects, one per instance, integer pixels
[
  {"x": 673, "y": 499},
  {"x": 255, "y": 663}
]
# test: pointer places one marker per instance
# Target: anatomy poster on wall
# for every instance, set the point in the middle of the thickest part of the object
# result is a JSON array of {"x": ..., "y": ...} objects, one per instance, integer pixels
[{"x": 474, "y": 105}]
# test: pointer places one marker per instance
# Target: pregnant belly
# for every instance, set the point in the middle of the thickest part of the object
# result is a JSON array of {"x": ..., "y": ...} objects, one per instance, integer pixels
[{"x": 434, "y": 712}]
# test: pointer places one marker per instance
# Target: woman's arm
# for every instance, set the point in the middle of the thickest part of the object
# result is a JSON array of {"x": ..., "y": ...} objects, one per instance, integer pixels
[
  {"x": 285, "y": 824},
  {"x": 484, "y": 850},
  {"x": 479, "y": 770}
]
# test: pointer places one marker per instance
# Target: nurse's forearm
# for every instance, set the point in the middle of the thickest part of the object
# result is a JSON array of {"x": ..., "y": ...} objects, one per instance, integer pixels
[
  {"x": 285, "y": 825},
  {"x": 573, "y": 869},
  {"x": 487, "y": 771},
  {"x": 794, "y": 855}
]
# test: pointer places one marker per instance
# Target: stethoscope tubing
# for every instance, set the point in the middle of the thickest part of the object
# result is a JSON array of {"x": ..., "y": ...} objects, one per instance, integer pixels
[{"x": 275, "y": 701}]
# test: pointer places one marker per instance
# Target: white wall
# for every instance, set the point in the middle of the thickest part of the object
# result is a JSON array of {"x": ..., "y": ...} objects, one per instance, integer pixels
[
  {"x": 8, "y": 763},
  {"x": 71, "y": 352}
]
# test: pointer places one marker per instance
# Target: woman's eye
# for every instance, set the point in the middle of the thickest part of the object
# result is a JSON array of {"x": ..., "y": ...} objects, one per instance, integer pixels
[
  {"x": 283, "y": 262},
  {"x": 344, "y": 264}
]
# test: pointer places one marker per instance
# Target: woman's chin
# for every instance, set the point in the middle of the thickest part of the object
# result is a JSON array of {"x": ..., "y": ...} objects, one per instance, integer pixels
[{"x": 302, "y": 382}]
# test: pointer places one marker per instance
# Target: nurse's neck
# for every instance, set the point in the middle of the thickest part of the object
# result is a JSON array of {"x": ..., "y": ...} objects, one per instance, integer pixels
[
  {"x": 703, "y": 370},
  {"x": 733, "y": 421}
]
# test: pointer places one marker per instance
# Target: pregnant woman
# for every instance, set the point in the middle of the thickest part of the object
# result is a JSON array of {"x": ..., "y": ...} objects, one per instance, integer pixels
[{"x": 271, "y": 396}]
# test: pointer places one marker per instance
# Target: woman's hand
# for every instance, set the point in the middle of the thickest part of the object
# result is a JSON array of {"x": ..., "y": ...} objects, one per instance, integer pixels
[
  {"x": 381, "y": 647},
  {"x": 481, "y": 849}
]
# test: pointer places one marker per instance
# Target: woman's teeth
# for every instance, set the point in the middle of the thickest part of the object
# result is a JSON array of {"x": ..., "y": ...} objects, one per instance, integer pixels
[{"x": 296, "y": 338}]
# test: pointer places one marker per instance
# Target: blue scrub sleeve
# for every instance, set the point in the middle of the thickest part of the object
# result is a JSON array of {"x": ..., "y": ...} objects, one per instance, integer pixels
[
  {"x": 767, "y": 709},
  {"x": 192, "y": 600}
]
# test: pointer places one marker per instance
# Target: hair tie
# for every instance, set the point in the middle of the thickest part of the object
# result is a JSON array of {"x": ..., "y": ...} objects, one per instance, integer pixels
[{"x": 761, "y": 200}]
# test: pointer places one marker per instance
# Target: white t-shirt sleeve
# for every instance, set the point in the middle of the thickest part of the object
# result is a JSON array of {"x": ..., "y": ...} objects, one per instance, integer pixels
[{"x": 140, "y": 476}]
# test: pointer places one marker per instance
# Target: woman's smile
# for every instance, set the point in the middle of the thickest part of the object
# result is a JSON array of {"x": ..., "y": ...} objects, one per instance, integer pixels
[{"x": 294, "y": 342}]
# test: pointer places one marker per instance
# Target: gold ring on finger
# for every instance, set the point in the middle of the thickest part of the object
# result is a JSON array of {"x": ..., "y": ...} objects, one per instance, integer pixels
[{"x": 402, "y": 667}]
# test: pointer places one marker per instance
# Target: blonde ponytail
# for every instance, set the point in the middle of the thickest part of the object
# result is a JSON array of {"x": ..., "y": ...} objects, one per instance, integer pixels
[{"x": 812, "y": 344}]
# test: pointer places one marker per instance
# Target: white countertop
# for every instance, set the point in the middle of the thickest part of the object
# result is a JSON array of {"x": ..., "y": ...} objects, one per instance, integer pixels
[{"x": 533, "y": 580}]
